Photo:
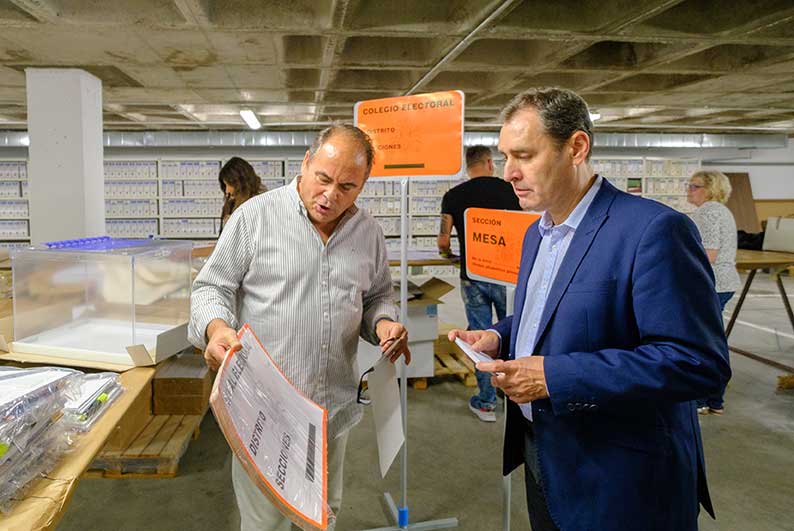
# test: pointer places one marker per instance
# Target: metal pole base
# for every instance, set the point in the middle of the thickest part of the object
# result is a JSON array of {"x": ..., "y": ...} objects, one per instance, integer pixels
[{"x": 444, "y": 523}]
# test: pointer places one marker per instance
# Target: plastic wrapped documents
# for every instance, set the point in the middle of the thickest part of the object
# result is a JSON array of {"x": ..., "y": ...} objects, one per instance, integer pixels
[
  {"x": 32, "y": 434},
  {"x": 96, "y": 392},
  {"x": 277, "y": 433}
]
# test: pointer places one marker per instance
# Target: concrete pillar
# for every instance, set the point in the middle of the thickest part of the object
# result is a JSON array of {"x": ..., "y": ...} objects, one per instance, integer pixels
[{"x": 66, "y": 187}]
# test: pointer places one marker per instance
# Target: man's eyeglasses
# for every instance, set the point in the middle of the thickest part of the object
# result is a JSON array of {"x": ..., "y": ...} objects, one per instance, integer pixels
[
  {"x": 692, "y": 187},
  {"x": 361, "y": 399}
]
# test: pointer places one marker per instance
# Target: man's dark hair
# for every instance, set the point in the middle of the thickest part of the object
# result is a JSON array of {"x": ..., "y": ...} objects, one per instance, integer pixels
[
  {"x": 562, "y": 112},
  {"x": 362, "y": 138},
  {"x": 476, "y": 154}
]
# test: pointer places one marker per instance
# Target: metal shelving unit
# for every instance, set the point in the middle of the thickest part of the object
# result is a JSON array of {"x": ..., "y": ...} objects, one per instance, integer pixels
[{"x": 14, "y": 207}]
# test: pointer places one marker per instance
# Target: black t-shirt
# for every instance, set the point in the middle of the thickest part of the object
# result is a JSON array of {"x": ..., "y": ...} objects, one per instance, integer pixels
[{"x": 479, "y": 192}]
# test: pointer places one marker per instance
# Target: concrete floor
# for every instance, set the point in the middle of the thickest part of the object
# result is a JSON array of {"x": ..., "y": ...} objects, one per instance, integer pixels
[{"x": 455, "y": 459}]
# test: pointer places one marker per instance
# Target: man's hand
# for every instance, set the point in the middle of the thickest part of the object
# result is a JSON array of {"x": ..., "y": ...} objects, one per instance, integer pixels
[
  {"x": 388, "y": 331},
  {"x": 484, "y": 341},
  {"x": 222, "y": 338},
  {"x": 522, "y": 380}
]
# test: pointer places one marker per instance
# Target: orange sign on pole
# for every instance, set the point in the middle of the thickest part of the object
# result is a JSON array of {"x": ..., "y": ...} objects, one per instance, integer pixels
[
  {"x": 414, "y": 135},
  {"x": 493, "y": 243}
]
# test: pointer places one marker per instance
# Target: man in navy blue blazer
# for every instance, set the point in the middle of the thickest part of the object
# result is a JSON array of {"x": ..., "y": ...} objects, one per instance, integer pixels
[{"x": 616, "y": 330}]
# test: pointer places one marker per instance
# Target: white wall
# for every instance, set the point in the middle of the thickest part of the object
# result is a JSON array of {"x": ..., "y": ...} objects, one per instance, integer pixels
[{"x": 771, "y": 171}]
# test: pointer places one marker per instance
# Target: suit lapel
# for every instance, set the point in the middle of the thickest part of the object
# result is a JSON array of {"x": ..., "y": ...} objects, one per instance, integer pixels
[
  {"x": 528, "y": 253},
  {"x": 580, "y": 244}
]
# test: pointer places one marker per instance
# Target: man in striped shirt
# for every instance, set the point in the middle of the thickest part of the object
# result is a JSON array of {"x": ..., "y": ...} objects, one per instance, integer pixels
[{"x": 307, "y": 270}]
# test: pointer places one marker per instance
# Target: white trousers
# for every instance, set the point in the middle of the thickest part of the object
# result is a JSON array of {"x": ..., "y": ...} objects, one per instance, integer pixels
[{"x": 256, "y": 511}]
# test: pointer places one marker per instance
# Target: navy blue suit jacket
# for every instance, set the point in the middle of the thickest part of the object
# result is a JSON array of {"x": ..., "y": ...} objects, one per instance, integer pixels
[{"x": 631, "y": 334}]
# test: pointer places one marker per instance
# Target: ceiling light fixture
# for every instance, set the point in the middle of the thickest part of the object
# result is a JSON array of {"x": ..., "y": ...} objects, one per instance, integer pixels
[
  {"x": 250, "y": 118},
  {"x": 595, "y": 116}
]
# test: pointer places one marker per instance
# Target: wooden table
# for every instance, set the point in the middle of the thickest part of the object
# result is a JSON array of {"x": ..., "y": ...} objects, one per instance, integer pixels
[
  {"x": 426, "y": 262},
  {"x": 752, "y": 261},
  {"x": 47, "y": 499}
]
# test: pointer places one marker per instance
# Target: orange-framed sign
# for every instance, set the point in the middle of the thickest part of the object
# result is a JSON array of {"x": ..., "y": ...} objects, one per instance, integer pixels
[
  {"x": 493, "y": 243},
  {"x": 414, "y": 135}
]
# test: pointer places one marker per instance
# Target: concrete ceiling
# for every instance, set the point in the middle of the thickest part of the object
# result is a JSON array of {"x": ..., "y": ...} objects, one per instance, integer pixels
[{"x": 662, "y": 65}]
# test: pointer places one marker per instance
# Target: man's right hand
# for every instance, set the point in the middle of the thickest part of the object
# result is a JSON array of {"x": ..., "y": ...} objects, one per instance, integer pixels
[
  {"x": 222, "y": 338},
  {"x": 485, "y": 341}
]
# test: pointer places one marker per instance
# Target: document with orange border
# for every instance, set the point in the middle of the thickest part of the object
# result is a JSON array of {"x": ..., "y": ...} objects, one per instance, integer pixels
[{"x": 276, "y": 432}]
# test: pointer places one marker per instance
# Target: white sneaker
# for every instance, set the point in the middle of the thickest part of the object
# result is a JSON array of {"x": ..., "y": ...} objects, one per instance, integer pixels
[{"x": 485, "y": 415}]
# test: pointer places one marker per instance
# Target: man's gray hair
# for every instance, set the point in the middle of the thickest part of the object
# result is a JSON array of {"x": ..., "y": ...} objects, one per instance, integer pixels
[
  {"x": 338, "y": 128},
  {"x": 562, "y": 112}
]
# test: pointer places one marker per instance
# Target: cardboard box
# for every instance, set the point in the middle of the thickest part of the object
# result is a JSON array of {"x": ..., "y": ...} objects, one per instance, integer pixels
[
  {"x": 182, "y": 385},
  {"x": 132, "y": 423},
  {"x": 422, "y": 325},
  {"x": 423, "y": 304},
  {"x": 422, "y": 359}
]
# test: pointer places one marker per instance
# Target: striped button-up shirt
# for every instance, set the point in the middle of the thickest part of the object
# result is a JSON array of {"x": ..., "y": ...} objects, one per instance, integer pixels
[
  {"x": 306, "y": 300},
  {"x": 554, "y": 244}
]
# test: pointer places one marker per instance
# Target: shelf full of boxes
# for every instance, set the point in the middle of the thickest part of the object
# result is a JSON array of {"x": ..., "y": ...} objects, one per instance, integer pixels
[
  {"x": 190, "y": 198},
  {"x": 657, "y": 178},
  {"x": 131, "y": 197},
  {"x": 666, "y": 181},
  {"x": 381, "y": 197},
  {"x": 182, "y": 198},
  {"x": 661, "y": 179},
  {"x": 14, "y": 215},
  {"x": 172, "y": 198}
]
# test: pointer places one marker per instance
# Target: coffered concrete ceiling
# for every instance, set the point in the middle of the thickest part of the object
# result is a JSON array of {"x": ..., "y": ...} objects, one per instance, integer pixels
[{"x": 660, "y": 65}]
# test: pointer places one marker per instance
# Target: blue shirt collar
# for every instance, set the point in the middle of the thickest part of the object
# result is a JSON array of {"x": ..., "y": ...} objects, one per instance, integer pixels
[{"x": 577, "y": 214}]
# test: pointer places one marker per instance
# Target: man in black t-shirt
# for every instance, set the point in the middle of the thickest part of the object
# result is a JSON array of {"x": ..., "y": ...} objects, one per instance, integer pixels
[{"x": 482, "y": 190}]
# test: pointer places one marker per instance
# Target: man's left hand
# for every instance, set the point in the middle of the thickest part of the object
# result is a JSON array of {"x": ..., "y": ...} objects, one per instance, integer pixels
[
  {"x": 388, "y": 332},
  {"x": 523, "y": 380}
]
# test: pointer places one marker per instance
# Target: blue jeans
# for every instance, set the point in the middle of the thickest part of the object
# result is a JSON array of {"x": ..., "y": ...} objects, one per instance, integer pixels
[
  {"x": 715, "y": 401},
  {"x": 479, "y": 299}
]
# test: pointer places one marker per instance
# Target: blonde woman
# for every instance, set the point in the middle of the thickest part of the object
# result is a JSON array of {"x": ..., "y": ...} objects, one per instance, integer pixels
[{"x": 709, "y": 191}]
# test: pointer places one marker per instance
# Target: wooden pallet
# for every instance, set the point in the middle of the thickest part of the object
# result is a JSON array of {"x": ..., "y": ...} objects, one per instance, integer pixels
[
  {"x": 449, "y": 361},
  {"x": 455, "y": 364},
  {"x": 155, "y": 453}
]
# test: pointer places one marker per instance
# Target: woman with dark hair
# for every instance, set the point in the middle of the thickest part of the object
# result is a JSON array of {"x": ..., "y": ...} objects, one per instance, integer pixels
[{"x": 239, "y": 183}]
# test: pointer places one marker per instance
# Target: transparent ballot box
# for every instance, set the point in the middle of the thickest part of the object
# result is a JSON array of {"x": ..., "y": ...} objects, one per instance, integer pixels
[{"x": 101, "y": 302}]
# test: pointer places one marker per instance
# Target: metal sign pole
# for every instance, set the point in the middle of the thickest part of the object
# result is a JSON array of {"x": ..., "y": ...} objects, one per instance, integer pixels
[
  {"x": 400, "y": 514},
  {"x": 506, "y": 483}
]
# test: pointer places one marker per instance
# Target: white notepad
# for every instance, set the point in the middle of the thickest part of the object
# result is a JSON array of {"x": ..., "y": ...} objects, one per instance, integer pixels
[{"x": 474, "y": 355}]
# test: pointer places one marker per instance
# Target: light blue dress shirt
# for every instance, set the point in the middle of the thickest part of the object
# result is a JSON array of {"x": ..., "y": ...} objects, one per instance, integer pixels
[{"x": 554, "y": 243}]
